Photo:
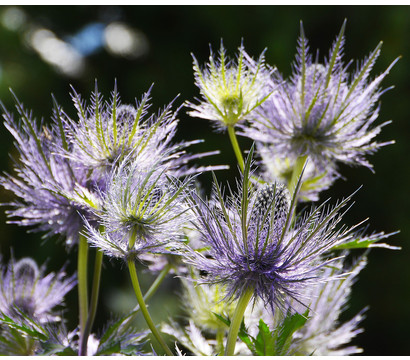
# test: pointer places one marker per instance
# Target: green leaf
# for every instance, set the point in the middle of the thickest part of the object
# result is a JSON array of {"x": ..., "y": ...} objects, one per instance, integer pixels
[
  {"x": 31, "y": 328},
  {"x": 226, "y": 321},
  {"x": 245, "y": 337},
  {"x": 242, "y": 334},
  {"x": 118, "y": 340},
  {"x": 57, "y": 349},
  {"x": 276, "y": 342},
  {"x": 287, "y": 329},
  {"x": 265, "y": 341},
  {"x": 367, "y": 242}
]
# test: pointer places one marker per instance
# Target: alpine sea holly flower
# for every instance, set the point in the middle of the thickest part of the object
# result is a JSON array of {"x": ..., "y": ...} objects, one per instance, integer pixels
[
  {"x": 204, "y": 301},
  {"x": 143, "y": 210},
  {"x": 46, "y": 182},
  {"x": 256, "y": 248},
  {"x": 231, "y": 91},
  {"x": 108, "y": 132},
  {"x": 275, "y": 168},
  {"x": 323, "y": 111},
  {"x": 25, "y": 290}
]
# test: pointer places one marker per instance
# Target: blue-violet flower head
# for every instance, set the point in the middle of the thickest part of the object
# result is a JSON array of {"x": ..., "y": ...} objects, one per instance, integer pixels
[
  {"x": 254, "y": 244},
  {"x": 46, "y": 182},
  {"x": 143, "y": 211},
  {"x": 25, "y": 290},
  {"x": 322, "y": 111}
]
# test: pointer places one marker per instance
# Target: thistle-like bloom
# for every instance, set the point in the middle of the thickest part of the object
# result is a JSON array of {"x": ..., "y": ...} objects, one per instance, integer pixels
[
  {"x": 106, "y": 133},
  {"x": 323, "y": 111},
  {"x": 46, "y": 182},
  {"x": 25, "y": 290},
  {"x": 255, "y": 246},
  {"x": 143, "y": 211},
  {"x": 231, "y": 91},
  {"x": 275, "y": 168},
  {"x": 203, "y": 302}
]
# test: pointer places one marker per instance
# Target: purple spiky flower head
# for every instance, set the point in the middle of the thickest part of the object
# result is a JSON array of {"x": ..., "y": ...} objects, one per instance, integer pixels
[
  {"x": 49, "y": 186},
  {"x": 143, "y": 211},
  {"x": 26, "y": 291},
  {"x": 107, "y": 132},
  {"x": 323, "y": 111},
  {"x": 254, "y": 244}
]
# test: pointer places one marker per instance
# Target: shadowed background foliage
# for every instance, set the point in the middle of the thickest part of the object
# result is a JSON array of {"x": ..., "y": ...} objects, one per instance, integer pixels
[{"x": 45, "y": 49}]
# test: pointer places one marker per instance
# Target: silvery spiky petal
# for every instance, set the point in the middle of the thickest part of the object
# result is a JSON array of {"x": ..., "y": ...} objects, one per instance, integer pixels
[
  {"x": 322, "y": 333},
  {"x": 25, "y": 289},
  {"x": 277, "y": 168},
  {"x": 196, "y": 341},
  {"x": 141, "y": 204},
  {"x": 203, "y": 301},
  {"x": 323, "y": 111},
  {"x": 254, "y": 245},
  {"x": 231, "y": 91},
  {"x": 107, "y": 133},
  {"x": 45, "y": 181},
  {"x": 113, "y": 341}
]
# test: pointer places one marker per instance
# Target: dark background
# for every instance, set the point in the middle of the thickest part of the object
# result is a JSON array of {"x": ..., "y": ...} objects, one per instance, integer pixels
[{"x": 170, "y": 34}]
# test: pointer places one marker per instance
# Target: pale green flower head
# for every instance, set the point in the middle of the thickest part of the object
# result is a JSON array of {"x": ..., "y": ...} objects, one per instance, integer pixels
[
  {"x": 277, "y": 168},
  {"x": 204, "y": 301},
  {"x": 230, "y": 90}
]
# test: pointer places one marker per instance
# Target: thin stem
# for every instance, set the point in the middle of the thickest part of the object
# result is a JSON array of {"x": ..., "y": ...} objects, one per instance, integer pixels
[
  {"x": 297, "y": 171},
  {"x": 82, "y": 281},
  {"x": 220, "y": 340},
  {"x": 235, "y": 145},
  {"x": 158, "y": 281},
  {"x": 143, "y": 307},
  {"x": 93, "y": 304},
  {"x": 151, "y": 291},
  {"x": 237, "y": 320}
]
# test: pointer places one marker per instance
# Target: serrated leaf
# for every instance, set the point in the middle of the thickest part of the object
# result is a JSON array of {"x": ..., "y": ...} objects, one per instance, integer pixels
[
  {"x": 265, "y": 341},
  {"x": 245, "y": 337},
  {"x": 113, "y": 348},
  {"x": 287, "y": 329},
  {"x": 25, "y": 328},
  {"x": 67, "y": 351},
  {"x": 116, "y": 340}
]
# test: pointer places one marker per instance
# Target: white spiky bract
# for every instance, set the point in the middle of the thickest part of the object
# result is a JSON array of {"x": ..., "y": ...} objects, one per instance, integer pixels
[{"x": 230, "y": 90}]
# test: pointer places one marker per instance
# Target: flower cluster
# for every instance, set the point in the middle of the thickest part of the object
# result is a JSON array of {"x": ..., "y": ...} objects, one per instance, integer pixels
[{"x": 112, "y": 178}]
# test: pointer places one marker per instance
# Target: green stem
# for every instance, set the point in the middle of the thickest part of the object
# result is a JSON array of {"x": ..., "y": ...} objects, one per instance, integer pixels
[
  {"x": 158, "y": 281},
  {"x": 143, "y": 307},
  {"x": 82, "y": 281},
  {"x": 220, "y": 340},
  {"x": 235, "y": 145},
  {"x": 151, "y": 291},
  {"x": 297, "y": 171},
  {"x": 93, "y": 304},
  {"x": 237, "y": 320}
]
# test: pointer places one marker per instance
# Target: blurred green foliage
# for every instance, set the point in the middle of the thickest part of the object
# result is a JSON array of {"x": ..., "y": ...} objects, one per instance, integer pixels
[{"x": 170, "y": 34}]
